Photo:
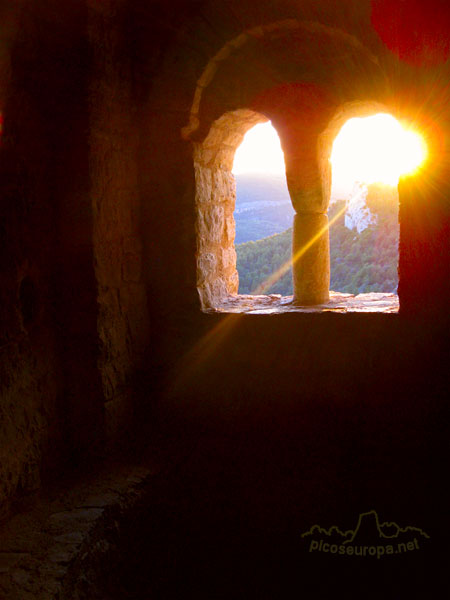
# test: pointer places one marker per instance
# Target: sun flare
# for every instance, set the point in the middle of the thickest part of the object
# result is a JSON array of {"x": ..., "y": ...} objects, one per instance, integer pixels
[{"x": 376, "y": 149}]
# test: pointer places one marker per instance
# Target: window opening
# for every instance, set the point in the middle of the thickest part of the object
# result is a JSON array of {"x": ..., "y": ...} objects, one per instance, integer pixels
[
  {"x": 263, "y": 214},
  {"x": 368, "y": 157},
  {"x": 216, "y": 172}
]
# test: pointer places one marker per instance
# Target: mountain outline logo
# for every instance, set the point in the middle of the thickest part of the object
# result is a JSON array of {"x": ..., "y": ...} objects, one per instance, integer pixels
[
  {"x": 351, "y": 534},
  {"x": 370, "y": 537}
]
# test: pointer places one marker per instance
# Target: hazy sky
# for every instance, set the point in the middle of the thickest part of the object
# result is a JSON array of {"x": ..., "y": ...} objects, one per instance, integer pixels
[
  {"x": 260, "y": 152},
  {"x": 370, "y": 149}
]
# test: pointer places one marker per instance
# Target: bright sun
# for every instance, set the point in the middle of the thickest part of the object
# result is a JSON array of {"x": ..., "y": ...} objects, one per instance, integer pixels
[
  {"x": 368, "y": 150},
  {"x": 376, "y": 149}
]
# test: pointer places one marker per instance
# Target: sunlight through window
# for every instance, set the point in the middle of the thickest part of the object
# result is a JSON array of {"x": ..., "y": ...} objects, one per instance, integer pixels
[
  {"x": 263, "y": 214},
  {"x": 260, "y": 152},
  {"x": 369, "y": 156},
  {"x": 375, "y": 149}
]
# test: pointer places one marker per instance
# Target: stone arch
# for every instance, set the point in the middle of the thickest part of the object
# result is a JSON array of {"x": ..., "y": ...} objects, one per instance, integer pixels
[
  {"x": 215, "y": 199},
  {"x": 300, "y": 110},
  {"x": 276, "y": 28},
  {"x": 217, "y": 276},
  {"x": 347, "y": 111},
  {"x": 316, "y": 109}
]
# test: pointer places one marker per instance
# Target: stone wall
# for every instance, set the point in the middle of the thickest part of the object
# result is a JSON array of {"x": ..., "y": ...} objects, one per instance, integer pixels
[
  {"x": 123, "y": 327},
  {"x": 215, "y": 198},
  {"x": 37, "y": 51}
]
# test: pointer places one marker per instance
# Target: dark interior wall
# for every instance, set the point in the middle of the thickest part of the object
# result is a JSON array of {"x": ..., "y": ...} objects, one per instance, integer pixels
[
  {"x": 353, "y": 405},
  {"x": 41, "y": 102},
  {"x": 75, "y": 284},
  {"x": 123, "y": 327}
]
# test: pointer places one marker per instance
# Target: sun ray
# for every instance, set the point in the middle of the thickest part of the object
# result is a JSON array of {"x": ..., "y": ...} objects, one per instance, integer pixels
[{"x": 274, "y": 277}]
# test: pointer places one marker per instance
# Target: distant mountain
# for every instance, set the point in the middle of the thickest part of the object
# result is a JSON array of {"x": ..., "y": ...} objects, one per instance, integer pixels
[
  {"x": 363, "y": 247},
  {"x": 357, "y": 214},
  {"x": 263, "y": 206}
]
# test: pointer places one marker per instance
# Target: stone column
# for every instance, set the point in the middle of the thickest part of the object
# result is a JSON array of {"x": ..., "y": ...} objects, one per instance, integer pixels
[
  {"x": 311, "y": 258},
  {"x": 308, "y": 189},
  {"x": 302, "y": 115}
]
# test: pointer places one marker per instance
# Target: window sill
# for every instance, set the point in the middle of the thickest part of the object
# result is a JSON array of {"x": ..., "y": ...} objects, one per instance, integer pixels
[{"x": 338, "y": 303}]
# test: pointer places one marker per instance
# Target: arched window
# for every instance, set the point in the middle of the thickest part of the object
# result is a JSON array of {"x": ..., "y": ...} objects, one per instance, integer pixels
[
  {"x": 363, "y": 212},
  {"x": 369, "y": 155},
  {"x": 215, "y": 198},
  {"x": 263, "y": 214},
  {"x": 367, "y": 160}
]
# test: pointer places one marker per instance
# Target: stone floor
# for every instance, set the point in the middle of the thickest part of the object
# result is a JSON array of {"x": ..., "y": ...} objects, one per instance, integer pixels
[
  {"x": 338, "y": 303},
  {"x": 220, "y": 515}
]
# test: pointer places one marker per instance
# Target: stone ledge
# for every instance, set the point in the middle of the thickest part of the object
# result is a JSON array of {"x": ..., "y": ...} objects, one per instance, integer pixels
[
  {"x": 338, "y": 303},
  {"x": 53, "y": 551}
]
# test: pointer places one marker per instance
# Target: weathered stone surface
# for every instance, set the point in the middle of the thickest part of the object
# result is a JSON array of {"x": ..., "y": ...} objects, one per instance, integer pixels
[
  {"x": 305, "y": 184},
  {"x": 233, "y": 282},
  {"x": 77, "y": 519},
  {"x": 215, "y": 202},
  {"x": 228, "y": 257},
  {"x": 65, "y": 547},
  {"x": 224, "y": 188},
  {"x": 216, "y": 262},
  {"x": 8, "y": 560},
  {"x": 115, "y": 193},
  {"x": 311, "y": 259},
  {"x": 213, "y": 224},
  {"x": 337, "y": 303},
  {"x": 204, "y": 187},
  {"x": 132, "y": 268},
  {"x": 229, "y": 230},
  {"x": 74, "y": 537},
  {"x": 99, "y": 501},
  {"x": 207, "y": 264},
  {"x": 118, "y": 412}
]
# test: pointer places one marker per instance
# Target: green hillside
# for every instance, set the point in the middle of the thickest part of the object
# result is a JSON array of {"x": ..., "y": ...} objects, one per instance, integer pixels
[
  {"x": 365, "y": 262},
  {"x": 257, "y": 260}
]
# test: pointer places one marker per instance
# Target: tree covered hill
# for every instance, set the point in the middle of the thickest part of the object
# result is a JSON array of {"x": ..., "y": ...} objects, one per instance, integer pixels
[
  {"x": 365, "y": 262},
  {"x": 257, "y": 260}
]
